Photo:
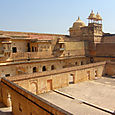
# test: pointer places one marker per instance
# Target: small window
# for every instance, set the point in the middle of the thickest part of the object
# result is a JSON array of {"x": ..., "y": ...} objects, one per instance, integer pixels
[
  {"x": 44, "y": 68},
  {"x": 75, "y": 63},
  {"x": 81, "y": 62},
  {"x": 7, "y": 75},
  {"x": 32, "y": 49},
  {"x": 35, "y": 49},
  {"x": 34, "y": 69},
  {"x": 91, "y": 60},
  {"x": 14, "y": 49},
  {"x": 52, "y": 67}
]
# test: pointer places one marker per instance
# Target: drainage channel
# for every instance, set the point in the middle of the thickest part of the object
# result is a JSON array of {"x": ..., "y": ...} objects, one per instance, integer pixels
[{"x": 85, "y": 102}]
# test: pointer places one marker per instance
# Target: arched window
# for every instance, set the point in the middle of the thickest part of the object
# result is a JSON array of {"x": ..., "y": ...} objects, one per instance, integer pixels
[
  {"x": 32, "y": 49},
  {"x": 44, "y": 68},
  {"x": 91, "y": 60},
  {"x": 52, "y": 67},
  {"x": 75, "y": 63},
  {"x": 81, "y": 62},
  {"x": 34, "y": 69}
]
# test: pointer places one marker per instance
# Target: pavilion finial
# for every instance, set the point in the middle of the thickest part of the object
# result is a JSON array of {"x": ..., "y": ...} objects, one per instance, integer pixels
[{"x": 78, "y": 18}]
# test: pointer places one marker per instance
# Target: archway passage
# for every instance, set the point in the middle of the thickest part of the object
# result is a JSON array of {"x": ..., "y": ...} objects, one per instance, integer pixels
[
  {"x": 44, "y": 68},
  {"x": 71, "y": 79}
]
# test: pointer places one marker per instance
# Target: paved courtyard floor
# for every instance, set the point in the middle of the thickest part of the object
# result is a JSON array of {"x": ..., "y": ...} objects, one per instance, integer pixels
[{"x": 100, "y": 92}]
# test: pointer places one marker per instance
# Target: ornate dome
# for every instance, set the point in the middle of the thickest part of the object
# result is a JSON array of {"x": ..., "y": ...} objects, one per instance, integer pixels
[
  {"x": 98, "y": 17},
  {"x": 78, "y": 23},
  {"x": 92, "y": 16}
]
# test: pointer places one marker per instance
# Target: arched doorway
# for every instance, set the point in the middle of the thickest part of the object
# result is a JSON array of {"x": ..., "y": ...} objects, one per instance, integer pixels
[
  {"x": 44, "y": 68},
  {"x": 33, "y": 87}
]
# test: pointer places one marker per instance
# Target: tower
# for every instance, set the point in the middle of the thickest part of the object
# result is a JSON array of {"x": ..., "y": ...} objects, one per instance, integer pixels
[{"x": 94, "y": 27}]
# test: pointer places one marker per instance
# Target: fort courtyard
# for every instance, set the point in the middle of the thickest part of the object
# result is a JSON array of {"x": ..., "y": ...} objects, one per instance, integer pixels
[{"x": 54, "y": 74}]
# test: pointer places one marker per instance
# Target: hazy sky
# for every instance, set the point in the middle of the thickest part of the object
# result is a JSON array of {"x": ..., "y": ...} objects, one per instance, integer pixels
[{"x": 53, "y": 16}]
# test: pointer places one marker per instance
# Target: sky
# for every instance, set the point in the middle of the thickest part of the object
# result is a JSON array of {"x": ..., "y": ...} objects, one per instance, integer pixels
[{"x": 53, "y": 16}]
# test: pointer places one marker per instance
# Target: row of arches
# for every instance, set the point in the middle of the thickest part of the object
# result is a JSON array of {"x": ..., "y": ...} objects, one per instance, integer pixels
[
  {"x": 44, "y": 68},
  {"x": 81, "y": 63}
]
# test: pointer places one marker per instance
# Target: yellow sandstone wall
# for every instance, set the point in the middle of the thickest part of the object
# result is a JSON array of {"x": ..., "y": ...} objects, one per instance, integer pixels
[
  {"x": 26, "y": 103},
  {"x": 39, "y": 82},
  {"x": 17, "y": 68},
  {"x": 110, "y": 68}
]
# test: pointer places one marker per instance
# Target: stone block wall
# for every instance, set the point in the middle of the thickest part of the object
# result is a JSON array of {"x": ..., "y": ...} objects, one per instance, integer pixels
[
  {"x": 50, "y": 80},
  {"x": 110, "y": 68},
  {"x": 26, "y": 103}
]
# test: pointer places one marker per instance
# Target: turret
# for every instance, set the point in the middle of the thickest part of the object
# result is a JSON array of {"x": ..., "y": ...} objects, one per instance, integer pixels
[{"x": 95, "y": 27}]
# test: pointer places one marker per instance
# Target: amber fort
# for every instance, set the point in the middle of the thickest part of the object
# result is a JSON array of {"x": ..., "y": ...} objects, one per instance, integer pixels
[{"x": 55, "y": 74}]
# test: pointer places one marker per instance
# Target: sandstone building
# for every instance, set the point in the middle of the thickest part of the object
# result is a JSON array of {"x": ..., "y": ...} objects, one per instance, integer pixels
[{"x": 43, "y": 62}]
